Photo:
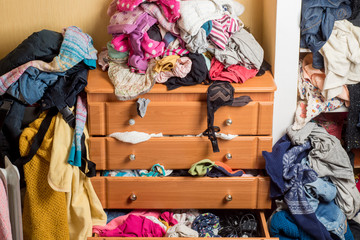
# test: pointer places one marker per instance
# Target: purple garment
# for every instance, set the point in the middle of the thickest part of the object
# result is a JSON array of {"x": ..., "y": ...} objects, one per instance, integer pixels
[{"x": 135, "y": 226}]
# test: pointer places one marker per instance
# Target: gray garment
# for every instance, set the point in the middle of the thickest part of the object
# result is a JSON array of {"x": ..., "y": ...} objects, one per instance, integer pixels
[
  {"x": 142, "y": 104},
  {"x": 329, "y": 158},
  {"x": 196, "y": 43},
  {"x": 242, "y": 49}
]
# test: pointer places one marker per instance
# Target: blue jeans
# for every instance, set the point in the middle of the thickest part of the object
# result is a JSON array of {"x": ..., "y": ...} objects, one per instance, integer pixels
[
  {"x": 317, "y": 22},
  {"x": 321, "y": 194}
]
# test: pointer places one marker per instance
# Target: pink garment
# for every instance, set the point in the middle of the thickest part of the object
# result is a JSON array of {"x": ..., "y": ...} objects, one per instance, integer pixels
[
  {"x": 234, "y": 73},
  {"x": 222, "y": 29},
  {"x": 121, "y": 43},
  {"x": 170, "y": 8},
  {"x": 317, "y": 78},
  {"x": 136, "y": 226},
  {"x": 151, "y": 47},
  {"x": 181, "y": 69},
  {"x": 332, "y": 122},
  {"x": 175, "y": 51},
  {"x": 120, "y": 220},
  {"x": 169, "y": 218},
  {"x": 155, "y": 11},
  {"x": 5, "y": 225},
  {"x": 125, "y": 22}
]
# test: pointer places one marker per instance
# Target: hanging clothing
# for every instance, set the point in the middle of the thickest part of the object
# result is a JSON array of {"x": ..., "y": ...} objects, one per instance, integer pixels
[{"x": 5, "y": 226}]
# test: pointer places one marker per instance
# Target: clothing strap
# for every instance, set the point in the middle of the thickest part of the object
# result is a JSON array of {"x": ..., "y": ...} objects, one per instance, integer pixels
[{"x": 37, "y": 141}]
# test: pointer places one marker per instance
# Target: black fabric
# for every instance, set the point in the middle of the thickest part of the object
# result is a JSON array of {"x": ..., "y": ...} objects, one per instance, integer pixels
[
  {"x": 352, "y": 137},
  {"x": 220, "y": 94},
  {"x": 12, "y": 128},
  {"x": 355, "y": 229},
  {"x": 265, "y": 66},
  {"x": 35, "y": 145},
  {"x": 180, "y": 173},
  {"x": 355, "y": 9},
  {"x": 84, "y": 162},
  {"x": 63, "y": 93},
  {"x": 197, "y": 75},
  {"x": 43, "y": 45},
  {"x": 154, "y": 33}
]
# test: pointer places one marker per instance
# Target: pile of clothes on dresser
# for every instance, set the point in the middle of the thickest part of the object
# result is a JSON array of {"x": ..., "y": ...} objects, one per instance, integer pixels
[
  {"x": 180, "y": 223},
  {"x": 177, "y": 43},
  {"x": 42, "y": 121}
]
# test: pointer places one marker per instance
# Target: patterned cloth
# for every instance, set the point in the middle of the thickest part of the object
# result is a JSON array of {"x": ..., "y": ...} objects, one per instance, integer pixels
[
  {"x": 313, "y": 102},
  {"x": 207, "y": 225},
  {"x": 296, "y": 175},
  {"x": 5, "y": 226},
  {"x": 223, "y": 28},
  {"x": 80, "y": 120},
  {"x": 76, "y": 47},
  {"x": 155, "y": 11}
]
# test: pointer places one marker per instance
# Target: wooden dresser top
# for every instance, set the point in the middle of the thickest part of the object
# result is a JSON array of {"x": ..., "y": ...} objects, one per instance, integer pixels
[{"x": 99, "y": 82}]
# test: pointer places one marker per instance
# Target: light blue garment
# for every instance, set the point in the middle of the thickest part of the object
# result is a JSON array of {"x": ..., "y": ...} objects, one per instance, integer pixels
[
  {"x": 207, "y": 62},
  {"x": 321, "y": 194},
  {"x": 32, "y": 85}
]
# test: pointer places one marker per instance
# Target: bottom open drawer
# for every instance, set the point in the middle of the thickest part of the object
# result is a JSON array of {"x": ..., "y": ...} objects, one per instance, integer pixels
[
  {"x": 262, "y": 228},
  {"x": 183, "y": 192}
]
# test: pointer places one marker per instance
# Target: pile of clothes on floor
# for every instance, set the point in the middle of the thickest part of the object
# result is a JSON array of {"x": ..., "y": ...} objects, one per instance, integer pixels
[
  {"x": 42, "y": 119},
  {"x": 329, "y": 76},
  {"x": 177, "y": 43},
  {"x": 180, "y": 223},
  {"x": 313, "y": 180}
]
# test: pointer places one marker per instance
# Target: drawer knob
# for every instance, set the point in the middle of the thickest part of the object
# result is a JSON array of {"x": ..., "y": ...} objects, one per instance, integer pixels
[
  {"x": 132, "y": 157},
  {"x": 133, "y": 197},
  {"x": 132, "y": 122},
  {"x": 228, "y": 156},
  {"x": 228, "y": 122},
  {"x": 228, "y": 197}
]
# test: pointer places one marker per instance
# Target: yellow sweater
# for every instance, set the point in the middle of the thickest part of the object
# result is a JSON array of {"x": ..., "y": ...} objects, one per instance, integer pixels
[{"x": 45, "y": 212}]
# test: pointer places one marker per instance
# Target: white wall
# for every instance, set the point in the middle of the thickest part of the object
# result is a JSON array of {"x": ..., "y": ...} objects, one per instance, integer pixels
[{"x": 286, "y": 64}]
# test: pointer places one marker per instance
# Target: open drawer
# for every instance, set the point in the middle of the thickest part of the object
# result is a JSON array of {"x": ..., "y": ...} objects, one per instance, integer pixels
[
  {"x": 243, "y": 152},
  {"x": 183, "y": 192},
  {"x": 263, "y": 231}
]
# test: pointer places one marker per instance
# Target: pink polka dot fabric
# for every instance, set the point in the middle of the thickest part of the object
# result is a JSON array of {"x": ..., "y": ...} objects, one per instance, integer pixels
[{"x": 171, "y": 8}]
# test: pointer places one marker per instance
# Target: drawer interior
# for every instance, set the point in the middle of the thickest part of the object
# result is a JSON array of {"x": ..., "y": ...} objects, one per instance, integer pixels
[{"x": 262, "y": 228}]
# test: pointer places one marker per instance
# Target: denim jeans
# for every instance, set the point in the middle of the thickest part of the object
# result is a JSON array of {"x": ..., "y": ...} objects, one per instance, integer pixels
[
  {"x": 321, "y": 194},
  {"x": 317, "y": 22}
]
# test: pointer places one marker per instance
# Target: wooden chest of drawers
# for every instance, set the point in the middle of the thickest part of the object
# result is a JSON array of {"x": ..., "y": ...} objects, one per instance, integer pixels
[{"x": 175, "y": 113}]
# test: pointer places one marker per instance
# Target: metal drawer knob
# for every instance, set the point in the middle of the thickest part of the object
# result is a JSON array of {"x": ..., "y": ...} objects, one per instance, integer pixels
[
  {"x": 228, "y": 197},
  {"x": 228, "y": 156},
  {"x": 228, "y": 122},
  {"x": 132, "y": 157},
  {"x": 131, "y": 122},
  {"x": 133, "y": 197}
]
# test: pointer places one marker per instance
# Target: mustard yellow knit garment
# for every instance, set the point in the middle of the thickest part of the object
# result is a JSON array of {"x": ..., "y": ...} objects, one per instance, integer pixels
[
  {"x": 166, "y": 64},
  {"x": 45, "y": 212}
]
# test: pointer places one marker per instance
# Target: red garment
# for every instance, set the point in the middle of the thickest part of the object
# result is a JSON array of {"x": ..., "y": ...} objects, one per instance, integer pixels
[
  {"x": 234, "y": 73},
  {"x": 136, "y": 226}
]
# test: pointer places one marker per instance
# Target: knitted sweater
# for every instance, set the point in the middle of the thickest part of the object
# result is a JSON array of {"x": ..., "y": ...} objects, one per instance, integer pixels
[{"x": 44, "y": 214}]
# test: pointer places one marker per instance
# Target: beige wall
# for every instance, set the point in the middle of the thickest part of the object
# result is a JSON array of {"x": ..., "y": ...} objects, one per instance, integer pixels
[{"x": 19, "y": 20}]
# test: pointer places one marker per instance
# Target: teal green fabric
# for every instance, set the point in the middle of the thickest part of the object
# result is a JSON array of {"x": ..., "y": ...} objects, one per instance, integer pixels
[{"x": 116, "y": 54}]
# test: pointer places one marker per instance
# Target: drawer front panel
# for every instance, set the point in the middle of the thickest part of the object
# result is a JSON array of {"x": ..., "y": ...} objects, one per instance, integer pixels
[
  {"x": 183, "y": 192},
  {"x": 177, "y": 152},
  {"x": 179, "y": 118}
]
